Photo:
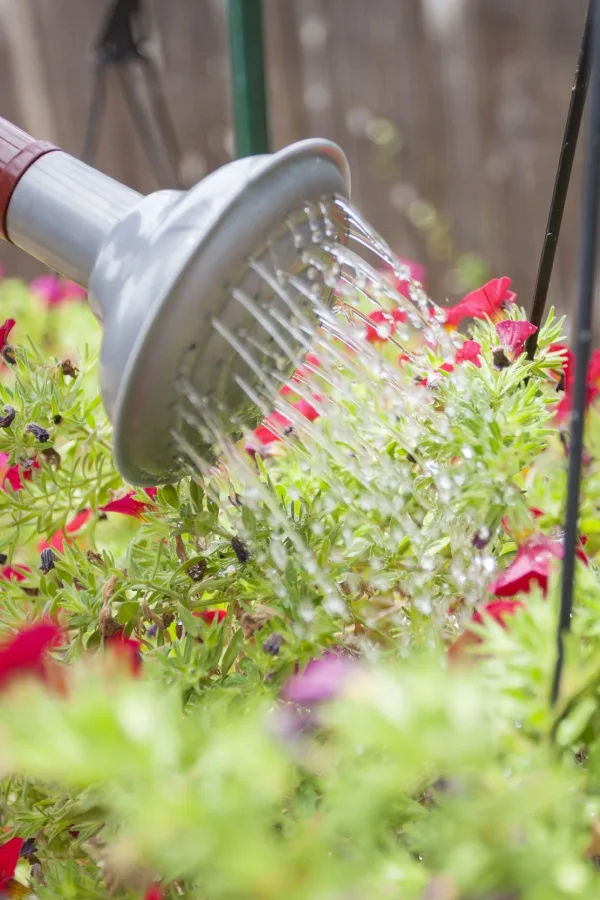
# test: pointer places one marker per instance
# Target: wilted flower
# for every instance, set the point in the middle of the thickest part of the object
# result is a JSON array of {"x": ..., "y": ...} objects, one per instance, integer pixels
[
  {"x": 24, "y": 653},
  {"x": 513, "y": 336},
  {"x": 38, "y": 432},
  {"x": 46, "y": 560},
  {"x": 9, "y": 417},
  {"x": 488, "y": 301}
]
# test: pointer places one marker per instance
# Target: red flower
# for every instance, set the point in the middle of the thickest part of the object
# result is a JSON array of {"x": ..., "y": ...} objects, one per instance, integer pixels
[
  {"x": 384, "y": 324},
  {"x": 127, "y": 650},
  {"x": 15, "y": 573},
  {"x": 498, "y": 610},
  {"x": 469, "y": 352},
  {"x": 9, "y": 857},
  {"x": 129, "y": 506},
  {"x": 265, "y": 435},
  {"x": 57, "y": 541},
  {"x": 209, "y": 615},
  {"x": 52, "y": 291},
  {"x": 25, "y": 652},
  {"x": 153, "y": 893},
  {"x": 304, "y": 371},
  {"x": 513, "y": 336},
  {"x": 486, "y": 302},
  {"x": 401, "y": 285},
  {"x": 15, "y": 475},
  {"x": 593, "y": 380},
  {"x": 307, "y": 410},
  {"x": 5, "y": 330},
  {"x": 530, "y": 566}
]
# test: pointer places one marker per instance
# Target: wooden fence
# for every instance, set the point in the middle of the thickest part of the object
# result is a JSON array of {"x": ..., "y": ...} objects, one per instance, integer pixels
[{"x": 451, "y": 112}]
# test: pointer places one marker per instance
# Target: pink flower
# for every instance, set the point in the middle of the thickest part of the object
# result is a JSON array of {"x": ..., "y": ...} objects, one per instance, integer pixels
[
  {"x": 384, "y": 324},
  {"x": 52, "y": 291},
  {"x": 57, "y": 541},
  {"x": 486, "y": 302},
  {"x": 5, "y": 330},
  {"x": 127, "y": 650},
  {"x": 24, "y": 653},
  {"x": 321, "y": 680},
  {"x": 513, "y": 336},
  {"x": 530, "y": 566},
  {"x": 9, "y": 857},
  {"x": 209, "y": 615},
  {"x": 129, "y": 506}
]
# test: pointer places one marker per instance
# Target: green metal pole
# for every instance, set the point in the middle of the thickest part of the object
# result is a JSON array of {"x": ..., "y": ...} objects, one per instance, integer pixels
[{"x": 248, "y": 77}]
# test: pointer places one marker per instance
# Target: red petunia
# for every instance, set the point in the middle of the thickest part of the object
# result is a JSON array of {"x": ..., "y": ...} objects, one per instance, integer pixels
[
  {"x": 209, "y": 615},
  {"x": 129, "y": 506},
  {"x": 486, "y": 302},
  {"x": 9, "y": 857},
  {"x": 402, "y": 285},
  {"x": 498, "y": 610},
  {"x": 15, "y": 573},
  {"x": 5, "y": 330},
  {"x": 530, "y": 566},
  {"x": 15, "y": 475},
  {"x": 153, "y": 893},
  {"x": 384, "y": 324},
  {"x": 126, "y": 649},
  {"x": 469, "y": 352},
  {"x": 593, "y": 380},
  {"x": 513, "y": 336},
  {"x": 57, "y": 541},
  {"x": 25, "y": 652}
]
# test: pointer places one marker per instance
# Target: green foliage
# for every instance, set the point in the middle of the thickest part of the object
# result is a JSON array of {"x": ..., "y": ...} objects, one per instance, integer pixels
[{"x": 374, "y": 531}]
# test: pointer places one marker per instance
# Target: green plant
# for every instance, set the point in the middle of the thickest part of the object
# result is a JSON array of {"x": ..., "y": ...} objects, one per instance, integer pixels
[{"x": 322, "y": 671}]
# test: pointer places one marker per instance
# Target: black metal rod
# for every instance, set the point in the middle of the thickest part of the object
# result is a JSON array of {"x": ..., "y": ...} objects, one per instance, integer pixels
[
  {"x": 561, "y": 183},
  {"x": 583, "y": 340}
]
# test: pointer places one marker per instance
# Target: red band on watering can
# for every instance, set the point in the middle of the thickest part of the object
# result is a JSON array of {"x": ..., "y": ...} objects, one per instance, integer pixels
[{"x": 18, "y": 151}]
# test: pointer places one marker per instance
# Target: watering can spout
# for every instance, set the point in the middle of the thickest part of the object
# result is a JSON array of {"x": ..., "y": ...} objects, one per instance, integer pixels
[{"x": 55, "y": 207}]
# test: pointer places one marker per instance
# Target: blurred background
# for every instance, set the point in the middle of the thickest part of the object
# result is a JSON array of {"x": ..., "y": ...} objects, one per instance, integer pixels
[{"x": 451, "y": 113}]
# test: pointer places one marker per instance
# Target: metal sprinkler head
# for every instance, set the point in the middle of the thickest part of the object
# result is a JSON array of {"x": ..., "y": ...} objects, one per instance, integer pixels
[{"x": 192, "y": 288}]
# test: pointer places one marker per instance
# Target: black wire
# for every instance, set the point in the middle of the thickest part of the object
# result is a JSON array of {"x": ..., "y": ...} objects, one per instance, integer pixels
[
  {"x": 583, "y": 340},
  {"x": 561, "y": 183}
]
